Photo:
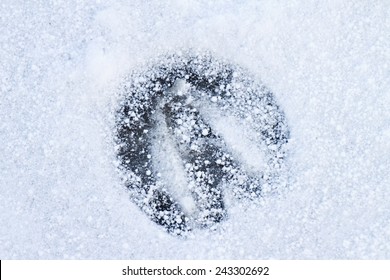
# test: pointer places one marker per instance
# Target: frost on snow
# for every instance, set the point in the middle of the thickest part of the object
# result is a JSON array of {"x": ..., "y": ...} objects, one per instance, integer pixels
[
  {"x": 174, "y": 95},
  {"x": 327, "y": 64}
]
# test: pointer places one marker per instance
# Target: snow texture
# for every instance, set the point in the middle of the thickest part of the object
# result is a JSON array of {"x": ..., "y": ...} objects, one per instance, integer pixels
[{"x": 63, "y": 64}]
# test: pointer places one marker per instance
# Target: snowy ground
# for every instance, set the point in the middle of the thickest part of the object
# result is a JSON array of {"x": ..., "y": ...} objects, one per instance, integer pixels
[{"x": 327, "y": 63}]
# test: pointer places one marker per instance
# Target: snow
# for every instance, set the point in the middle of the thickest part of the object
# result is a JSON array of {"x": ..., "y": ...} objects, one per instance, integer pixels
[{"x": 327, "y": 63}]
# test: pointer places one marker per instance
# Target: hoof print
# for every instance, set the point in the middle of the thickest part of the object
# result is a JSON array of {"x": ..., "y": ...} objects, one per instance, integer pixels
[{"x": 187, "y": 127}]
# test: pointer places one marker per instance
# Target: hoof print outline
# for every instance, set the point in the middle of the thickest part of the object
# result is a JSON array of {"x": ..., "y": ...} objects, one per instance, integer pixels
[{"x": 217, "y": 119}]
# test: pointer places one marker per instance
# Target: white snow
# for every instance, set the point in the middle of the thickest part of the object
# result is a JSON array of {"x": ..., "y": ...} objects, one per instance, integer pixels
[
  {"x": 327, "y": 63},
  {"x": 239, "y": 138},
  {"x": 170, "y": 166}
]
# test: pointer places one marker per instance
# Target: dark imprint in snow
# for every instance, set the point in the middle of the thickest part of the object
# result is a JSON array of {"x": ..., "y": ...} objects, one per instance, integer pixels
[{"x": 173, "y": 93}]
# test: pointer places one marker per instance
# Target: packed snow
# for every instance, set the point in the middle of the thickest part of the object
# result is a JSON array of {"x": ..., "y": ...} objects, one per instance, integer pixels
[{"x": 64, "y": 62}]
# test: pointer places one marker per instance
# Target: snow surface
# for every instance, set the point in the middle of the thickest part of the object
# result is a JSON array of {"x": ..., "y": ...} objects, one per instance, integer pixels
[{"x": 327, "y": 63}]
